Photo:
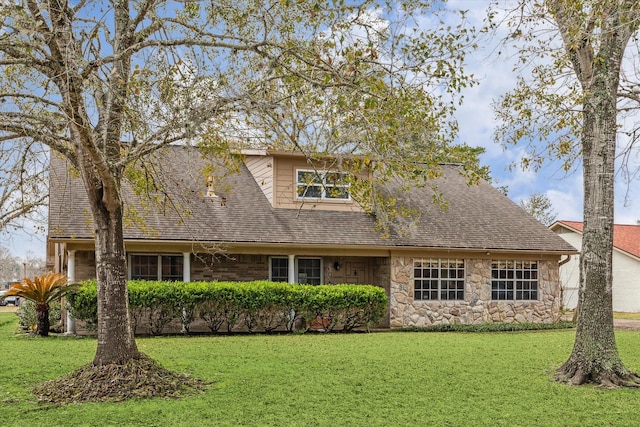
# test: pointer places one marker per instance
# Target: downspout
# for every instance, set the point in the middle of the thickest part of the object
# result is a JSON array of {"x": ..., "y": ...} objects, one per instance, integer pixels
[{"x": 560, "y": 264}]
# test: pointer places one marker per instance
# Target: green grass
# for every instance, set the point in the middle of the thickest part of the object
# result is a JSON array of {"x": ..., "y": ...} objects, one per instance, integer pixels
[{"x": 377, "y": 379}]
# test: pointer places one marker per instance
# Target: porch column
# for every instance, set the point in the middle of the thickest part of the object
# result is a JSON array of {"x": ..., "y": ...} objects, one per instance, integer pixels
[
  {"x": 71, "y": 276},
  {"x": 186, "y": 277},
  {"x": 186, "y": 266},
  {"x": 292, "y": 269}
]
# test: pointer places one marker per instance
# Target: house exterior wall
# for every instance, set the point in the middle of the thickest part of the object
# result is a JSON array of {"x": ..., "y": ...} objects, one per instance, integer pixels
[
  {"x": 626, "y": 283},
  {"x": 396, "y": 276},
  {"x": 229, "y": 267},
  {"x": 477, "y": 306},
  {"x": 85, "y": 265},
  {"x": 626, "y": 277},
  {"x": 570, "y": 271},
  {"x": 285, "y": 186},
  {"x": 261, "y": 167}
]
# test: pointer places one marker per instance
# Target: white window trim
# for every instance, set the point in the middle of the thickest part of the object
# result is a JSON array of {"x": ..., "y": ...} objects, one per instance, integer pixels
[
  {"x": 295, "y": 266},
  {"x": 515, "y": 280},
  {"x": 323, "y": 185},
  {"x": 440, "y": 278},
  {"x": 159, "y": 269},
  {"x": 271, "y": 266}
]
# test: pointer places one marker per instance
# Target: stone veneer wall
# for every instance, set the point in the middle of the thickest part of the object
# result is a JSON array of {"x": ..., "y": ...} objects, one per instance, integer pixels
[{"x": 477, "y": 306}]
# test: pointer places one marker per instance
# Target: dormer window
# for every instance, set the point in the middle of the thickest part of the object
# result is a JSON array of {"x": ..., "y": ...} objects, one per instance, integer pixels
[{"x": 322, "y": 185}]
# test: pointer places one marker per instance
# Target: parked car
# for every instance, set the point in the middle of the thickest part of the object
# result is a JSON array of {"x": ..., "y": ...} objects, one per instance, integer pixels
[{"x": 4, "y": 300}]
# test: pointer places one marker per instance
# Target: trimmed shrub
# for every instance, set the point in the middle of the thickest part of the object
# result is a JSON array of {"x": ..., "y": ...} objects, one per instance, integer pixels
[
  {"x": 258, "y": 306},
  {"x": 83, "y": 304},
  {"x": 27, "y": 318}
]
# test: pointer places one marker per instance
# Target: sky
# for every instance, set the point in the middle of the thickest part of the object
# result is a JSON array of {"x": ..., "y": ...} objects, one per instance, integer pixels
[{"x": 477, "y": 124}]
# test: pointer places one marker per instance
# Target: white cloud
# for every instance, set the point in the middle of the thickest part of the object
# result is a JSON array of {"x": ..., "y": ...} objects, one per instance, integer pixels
[{"x": 477, "y": 123}]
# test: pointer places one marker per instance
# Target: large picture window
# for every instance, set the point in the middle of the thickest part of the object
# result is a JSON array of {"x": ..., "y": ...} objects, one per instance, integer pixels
[
  {"x": 514, "y": 280},
  {"x": 322, "y": 185},
  {"x": 156, "y": 267},
  {"x": 438, "y": 279}
]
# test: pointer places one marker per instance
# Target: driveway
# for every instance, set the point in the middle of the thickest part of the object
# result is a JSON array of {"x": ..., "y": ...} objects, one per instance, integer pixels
[{"x": 624, "y": 324}]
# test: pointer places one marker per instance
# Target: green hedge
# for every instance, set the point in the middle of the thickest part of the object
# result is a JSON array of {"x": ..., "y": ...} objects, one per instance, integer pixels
[
  {"x": 259, "y": 306},
  {"x": 490, "y": 327}
]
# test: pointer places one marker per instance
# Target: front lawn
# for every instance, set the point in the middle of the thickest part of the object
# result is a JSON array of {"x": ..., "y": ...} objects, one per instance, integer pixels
[{"x": 377, "y": 379}]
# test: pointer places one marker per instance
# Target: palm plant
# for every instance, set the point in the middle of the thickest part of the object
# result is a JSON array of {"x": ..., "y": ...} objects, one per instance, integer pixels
[{"x": 42, "y": 290}]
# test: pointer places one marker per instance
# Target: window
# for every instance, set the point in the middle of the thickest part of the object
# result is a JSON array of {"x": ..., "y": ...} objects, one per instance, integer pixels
[
  {"x": 309, "y": 270},
  {"x": 279, "y": 270},
  {"x": 438, "y": 279},
  {"x": 156, "y": 267},
  {"x": 514, "y": 280},
  {"x": 322, "y": 185}
]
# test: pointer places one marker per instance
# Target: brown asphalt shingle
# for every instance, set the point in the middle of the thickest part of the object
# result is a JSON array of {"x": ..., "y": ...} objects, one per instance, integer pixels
[{"x": 476, "y": 217}]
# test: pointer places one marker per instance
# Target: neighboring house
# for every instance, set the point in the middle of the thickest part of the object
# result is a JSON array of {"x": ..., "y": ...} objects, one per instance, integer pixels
[
  {"x": 626, "y": 265},
  {"x": 482, "y": 259}
]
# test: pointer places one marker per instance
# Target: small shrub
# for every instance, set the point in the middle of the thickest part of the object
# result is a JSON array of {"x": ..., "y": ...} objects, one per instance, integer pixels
[
  {"x": 490, "y": 327},
  {"x": 27, "y": 319}
]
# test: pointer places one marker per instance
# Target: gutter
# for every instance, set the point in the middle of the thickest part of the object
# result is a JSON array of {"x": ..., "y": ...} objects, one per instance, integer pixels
[{"x": 564, "y": 261}]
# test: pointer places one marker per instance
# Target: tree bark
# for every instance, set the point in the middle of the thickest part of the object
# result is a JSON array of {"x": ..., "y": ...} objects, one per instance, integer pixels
[
  {"x": 116, "y": 343},
  {"x": 595, "y": 355}
]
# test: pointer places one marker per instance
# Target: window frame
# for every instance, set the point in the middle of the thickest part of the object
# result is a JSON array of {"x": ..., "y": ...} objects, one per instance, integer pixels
[
  {"x": 159, "y": 266},
  {"x": 457, "y": 292},
  {"x": 320, "y": 181},
  {"x": 296, "y": 267},
  {"x": 279, "y": 258},
  {"x": 512, "y": 280}
]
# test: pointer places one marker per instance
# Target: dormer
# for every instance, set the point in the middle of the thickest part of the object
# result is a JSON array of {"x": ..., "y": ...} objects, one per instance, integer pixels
[{"x": 292, "y": 181}]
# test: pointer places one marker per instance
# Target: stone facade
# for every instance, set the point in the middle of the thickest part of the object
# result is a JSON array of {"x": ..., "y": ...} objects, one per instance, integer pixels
[{"x": 477, "y": 306}]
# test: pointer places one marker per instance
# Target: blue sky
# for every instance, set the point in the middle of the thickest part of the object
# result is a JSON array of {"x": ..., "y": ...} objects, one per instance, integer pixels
[{"x": 477, "y": 124}]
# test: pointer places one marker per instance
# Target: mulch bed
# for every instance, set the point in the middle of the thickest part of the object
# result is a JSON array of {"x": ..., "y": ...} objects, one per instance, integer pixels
[{"x": 138, "y": 378}]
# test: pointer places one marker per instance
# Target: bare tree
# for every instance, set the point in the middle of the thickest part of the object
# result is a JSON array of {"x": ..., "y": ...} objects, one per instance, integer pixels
[
  {"x": 568, "y": 110},
  {"x": 23, "y": 183},
  {"x": 9, "y": 266}
]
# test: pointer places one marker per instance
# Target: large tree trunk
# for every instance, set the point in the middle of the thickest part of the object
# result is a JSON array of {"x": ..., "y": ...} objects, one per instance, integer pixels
[
  {"x": 595, "y": 355},
  {"x": 116, "y": 343}
]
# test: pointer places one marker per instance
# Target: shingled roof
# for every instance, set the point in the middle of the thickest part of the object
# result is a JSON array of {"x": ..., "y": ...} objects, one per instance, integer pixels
[
  {"x": 477, "y": 217},
  {"x": 626, "y": 237}
]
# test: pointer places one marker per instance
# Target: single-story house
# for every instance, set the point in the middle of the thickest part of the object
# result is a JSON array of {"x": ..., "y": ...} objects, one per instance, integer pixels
[
  {"x": 279, "y": 216},
  {"x": 626, "y": 265}
]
